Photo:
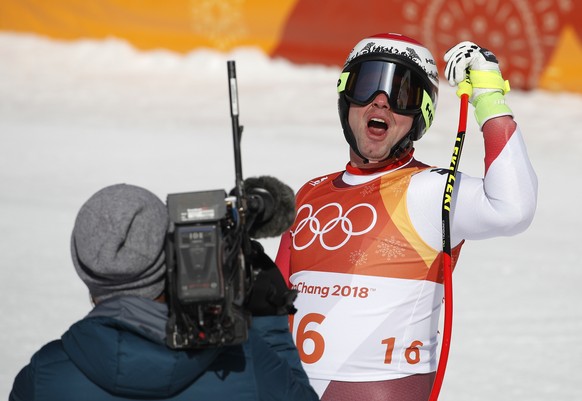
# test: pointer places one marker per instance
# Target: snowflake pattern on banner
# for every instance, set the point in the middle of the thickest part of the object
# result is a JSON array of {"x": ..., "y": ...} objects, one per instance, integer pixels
[
  {"x": 391, "y": 248},
  {"x": 221, "y": 22}
]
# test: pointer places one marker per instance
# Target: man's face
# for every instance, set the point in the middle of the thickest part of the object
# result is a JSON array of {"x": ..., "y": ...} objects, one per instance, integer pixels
[{"x": 376, "y": 128}]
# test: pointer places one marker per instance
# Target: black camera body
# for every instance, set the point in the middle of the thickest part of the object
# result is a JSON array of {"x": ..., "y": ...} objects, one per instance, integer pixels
[
  {"x": 208, "y": 276},
  {"x": 209, "y": 250}
]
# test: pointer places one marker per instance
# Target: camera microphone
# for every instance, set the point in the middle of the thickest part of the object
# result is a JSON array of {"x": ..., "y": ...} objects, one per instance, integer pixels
[{"x": 273, "y": 205}]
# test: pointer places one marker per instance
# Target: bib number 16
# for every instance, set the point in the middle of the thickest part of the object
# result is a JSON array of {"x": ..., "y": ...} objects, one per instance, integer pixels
[{"x": 412, "y": 353}]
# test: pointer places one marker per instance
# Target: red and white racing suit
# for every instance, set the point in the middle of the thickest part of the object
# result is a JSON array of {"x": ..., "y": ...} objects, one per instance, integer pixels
[{"x": 365, "y": 255}]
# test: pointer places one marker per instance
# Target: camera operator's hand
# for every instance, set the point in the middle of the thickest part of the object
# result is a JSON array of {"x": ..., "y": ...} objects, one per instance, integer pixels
[{"x": 270, "y": 294}]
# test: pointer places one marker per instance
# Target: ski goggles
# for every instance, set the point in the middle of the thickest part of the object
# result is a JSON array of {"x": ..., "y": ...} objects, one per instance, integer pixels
[{"x": 406, "y": 91}]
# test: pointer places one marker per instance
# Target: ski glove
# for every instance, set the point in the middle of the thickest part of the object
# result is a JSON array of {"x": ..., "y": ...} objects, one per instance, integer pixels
[
  {"x": 475, "y": 71},
  {"x": 269, "y": 294}
]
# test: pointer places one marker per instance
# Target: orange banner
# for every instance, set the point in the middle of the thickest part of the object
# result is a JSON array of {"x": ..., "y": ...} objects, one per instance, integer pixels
[
  {"x": 523, "y": 34},
  {"x": 179, "y": 25},
  {"x": 538, "y": 43}
]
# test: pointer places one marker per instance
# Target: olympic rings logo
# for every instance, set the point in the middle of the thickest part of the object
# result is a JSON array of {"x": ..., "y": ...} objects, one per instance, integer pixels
[{"x": 312, "y": 223}]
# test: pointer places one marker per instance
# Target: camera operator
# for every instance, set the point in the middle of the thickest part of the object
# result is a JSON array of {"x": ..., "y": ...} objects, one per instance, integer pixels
[{"x": 119, "y": 350}]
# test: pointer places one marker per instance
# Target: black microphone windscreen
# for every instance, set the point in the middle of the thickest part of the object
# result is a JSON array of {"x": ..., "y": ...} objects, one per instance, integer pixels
[{"x": 282, "y": 215}]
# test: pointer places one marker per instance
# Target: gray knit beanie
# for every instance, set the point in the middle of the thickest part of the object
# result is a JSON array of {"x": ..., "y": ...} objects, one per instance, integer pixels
[{"x": 118, "y": 241}]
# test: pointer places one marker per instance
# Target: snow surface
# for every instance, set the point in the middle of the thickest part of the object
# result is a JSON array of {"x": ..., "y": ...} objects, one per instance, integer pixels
[{"x": 78, "y": 116}]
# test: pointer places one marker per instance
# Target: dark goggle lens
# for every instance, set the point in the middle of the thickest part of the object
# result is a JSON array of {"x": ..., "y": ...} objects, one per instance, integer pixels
[{"x": 402, "y": 86}]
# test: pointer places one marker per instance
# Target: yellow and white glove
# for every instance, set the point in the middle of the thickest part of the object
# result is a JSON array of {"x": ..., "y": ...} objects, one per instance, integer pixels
[{"x": 475, "y": 71}]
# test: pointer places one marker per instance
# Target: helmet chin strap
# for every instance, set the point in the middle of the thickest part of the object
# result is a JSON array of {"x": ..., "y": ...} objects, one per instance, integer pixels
[{"x": 402, "y": 148}]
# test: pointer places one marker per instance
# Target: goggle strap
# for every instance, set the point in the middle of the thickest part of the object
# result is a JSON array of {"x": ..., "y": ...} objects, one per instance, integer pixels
[{"x": 341, "y": 84}]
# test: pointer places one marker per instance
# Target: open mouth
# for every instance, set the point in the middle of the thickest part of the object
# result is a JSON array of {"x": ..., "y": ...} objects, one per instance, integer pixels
[{"x": 377, "y": 123}]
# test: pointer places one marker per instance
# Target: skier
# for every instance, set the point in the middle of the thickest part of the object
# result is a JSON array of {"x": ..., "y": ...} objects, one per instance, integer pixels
[
  {"x": 119, "y": 352},
  {"x": 365, "y": 250}
]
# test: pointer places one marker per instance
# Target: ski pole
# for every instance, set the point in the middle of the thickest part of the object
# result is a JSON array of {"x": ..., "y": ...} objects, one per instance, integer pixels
[{"x": 464, "y": 92}]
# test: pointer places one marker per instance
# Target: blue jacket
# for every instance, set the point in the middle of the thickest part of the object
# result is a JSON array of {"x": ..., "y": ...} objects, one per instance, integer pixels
[{"x": 118, "y": 353}]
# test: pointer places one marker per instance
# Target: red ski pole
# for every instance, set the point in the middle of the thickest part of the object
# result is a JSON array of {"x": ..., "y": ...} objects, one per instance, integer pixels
[{"x": 464, "y": 92}]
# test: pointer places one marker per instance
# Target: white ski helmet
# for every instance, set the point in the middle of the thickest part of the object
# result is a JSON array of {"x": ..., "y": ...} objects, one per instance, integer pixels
[{"x": 400, "y": 67}]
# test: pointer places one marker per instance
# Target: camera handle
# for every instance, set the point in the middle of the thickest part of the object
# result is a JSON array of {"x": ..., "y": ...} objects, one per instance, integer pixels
[{"x": 236, "y": 135}]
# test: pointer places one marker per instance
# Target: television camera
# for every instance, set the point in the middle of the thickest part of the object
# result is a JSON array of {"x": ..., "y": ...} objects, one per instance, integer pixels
[{"x": 209, "y": 251}]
